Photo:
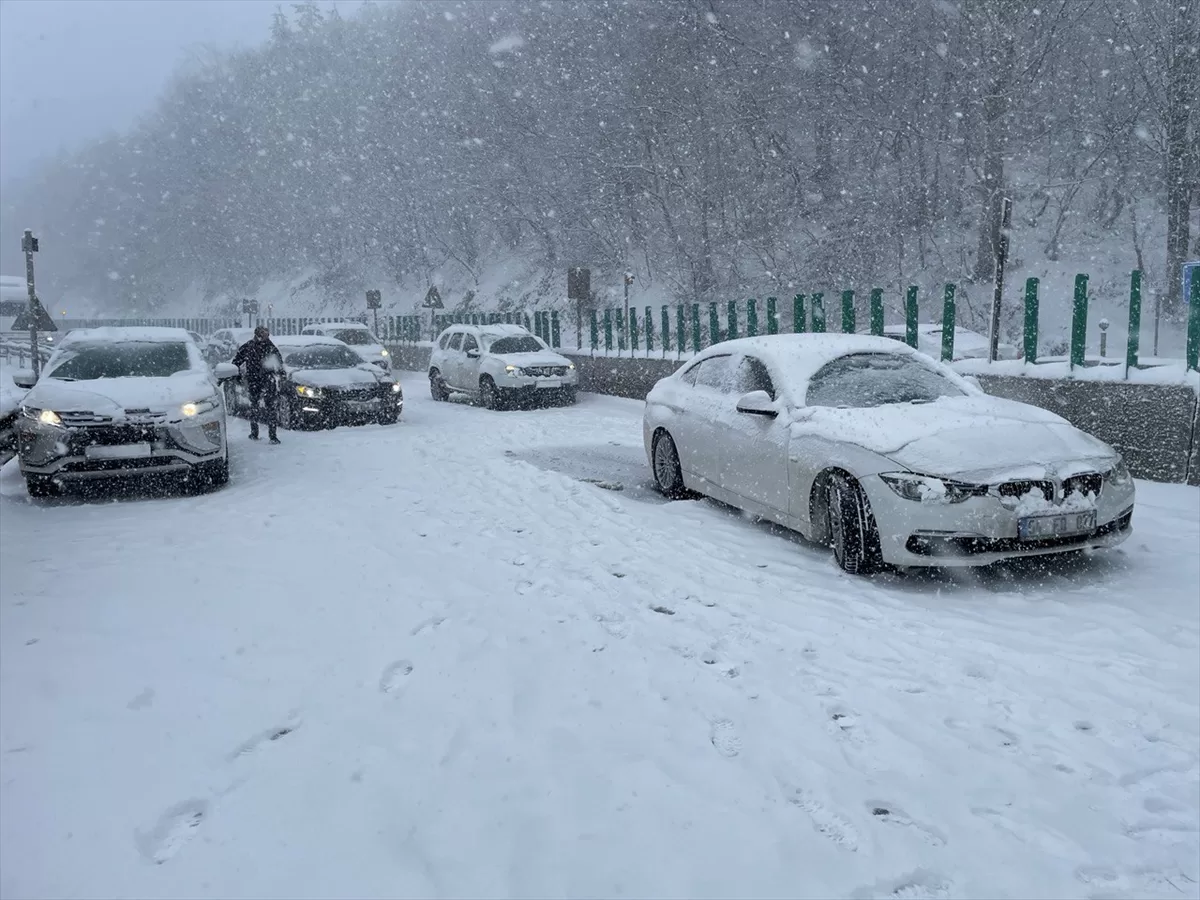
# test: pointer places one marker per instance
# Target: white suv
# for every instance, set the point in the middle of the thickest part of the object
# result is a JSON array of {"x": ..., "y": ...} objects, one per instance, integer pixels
[
  {"x": 499, "y": 364},
  {"x": 360, "y": 338}
]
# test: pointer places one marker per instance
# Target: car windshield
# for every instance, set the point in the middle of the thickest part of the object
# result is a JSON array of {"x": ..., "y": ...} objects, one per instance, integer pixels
[
  {"x": 125, "y": 359},
  {"x": 322, "y": 357},
  {"x": 875, "y": 379},
  {"x": 356, "y": 336},
  {"x": 524, "y": 343}
]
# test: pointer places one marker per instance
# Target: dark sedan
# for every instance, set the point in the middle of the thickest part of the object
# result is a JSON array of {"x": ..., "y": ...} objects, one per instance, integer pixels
[{"x": 326, "y": 384}]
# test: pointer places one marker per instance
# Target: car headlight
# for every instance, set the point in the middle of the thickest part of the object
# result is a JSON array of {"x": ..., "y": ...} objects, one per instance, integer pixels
[
  {"x": 305, "y": 391},
  {"x": 1119, "y": 473},
  {"x": 395, "y": 388},
  {"x": 571, "y": 366},
  {"x": 513, "y": 371},
  {"x": 42, "y": 416},
  {"x": 200, "y": 406},
  {"x": 925, "y": 489},
  {"x": 383, "y": 353}
]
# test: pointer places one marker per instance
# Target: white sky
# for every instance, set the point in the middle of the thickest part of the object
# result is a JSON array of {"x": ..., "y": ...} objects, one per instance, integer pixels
[{"x": 72, "y": 70}]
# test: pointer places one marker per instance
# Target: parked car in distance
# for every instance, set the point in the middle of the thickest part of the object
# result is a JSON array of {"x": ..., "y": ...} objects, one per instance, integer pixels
[
  {"x": 500, "y": 365},
  {"x": 325, "y": 384},
  {"x": 223, "y": 344},
  {"x": 967, "y": 344},
  {"x": 121, "y": 402},
  {"x": 886, "y": 454},
  {"x": 357, "y": 337}
]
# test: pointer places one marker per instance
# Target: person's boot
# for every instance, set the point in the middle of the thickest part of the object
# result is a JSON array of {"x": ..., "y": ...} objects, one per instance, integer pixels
[
  {"x": 274, "y": 438},
  {"x": 254, "y": 431}
]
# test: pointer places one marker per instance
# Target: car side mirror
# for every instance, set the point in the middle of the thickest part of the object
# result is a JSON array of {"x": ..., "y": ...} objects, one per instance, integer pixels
[
  {"x": 225, "y": 371},
  {"x": 757, "y": 403},
  {"x": 23, "y": 378},
  {"x": 472, "y": 354}
]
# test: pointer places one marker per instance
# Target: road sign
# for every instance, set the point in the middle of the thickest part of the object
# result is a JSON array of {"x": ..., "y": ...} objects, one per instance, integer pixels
[
  {"x": 250, "y": 307},
  {"x": 374, "y": 300},
  {"x": 44, "y": 322},
  {"x": 433, "y": 300},
  {"x": 579, "y": 283},
  {"x": 1191, "y": 274}
]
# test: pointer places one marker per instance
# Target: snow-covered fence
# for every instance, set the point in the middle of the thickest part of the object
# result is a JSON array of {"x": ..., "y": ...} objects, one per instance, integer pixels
[{"x": 15, "y": 350}]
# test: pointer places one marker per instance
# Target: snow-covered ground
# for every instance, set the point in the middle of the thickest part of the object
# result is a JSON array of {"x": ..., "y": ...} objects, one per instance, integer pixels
[{"x": 448, "y": 658}]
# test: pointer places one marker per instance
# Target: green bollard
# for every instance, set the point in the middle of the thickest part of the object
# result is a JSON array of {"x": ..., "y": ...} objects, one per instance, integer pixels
[
  {"x": 622, "y": 336},
  {"x": 948, "y": 324},
  {"x": 849, "y": 326},
  {"x": 695, "y": 327},
  {"x": 877, "y": 312},
  {"x": 649, "y": 328},
  {"x": 608, "y": 329},
  {"x": 1192, "y": 353},
  {"x": 555, "y": 333},
  {"x": 633, "y": 328},
  {"x": 1079, "y": 311},
  {"x": 594, "y": 331},
  {"x": 772, "y": 316},
  {"x": 910, "y": 316},
  {"x": 714, "y": 325},
  {"x": 799, "y": 316},
  {"x": 731, "y": 315},
  {"x": 1031, "y": 320},
  {"x": 666, "y": 328},
  {"x": 818, "y": 313},
  {"x": 751, "y": 318}
]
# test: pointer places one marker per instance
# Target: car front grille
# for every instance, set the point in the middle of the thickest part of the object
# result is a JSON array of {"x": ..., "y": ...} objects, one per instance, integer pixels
[
  {"x": 1090, "y": 483},
  {"x": 358, "y": 392},
  {"x": 83, "y": 419},
  {"x": 546, "y": 371},
  {"x": 1018, "y": 489},
  {"x": 112, "y": 435}
]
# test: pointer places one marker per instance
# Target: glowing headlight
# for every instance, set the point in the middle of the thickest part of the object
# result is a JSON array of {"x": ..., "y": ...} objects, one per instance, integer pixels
[
  {"x": 189, "y": 409},
  {"x": 194, "y": 409},
  {"x": 49, "y": 417},
  {"x": 571, "y": 366},
  {"x": 395, "y": 388},
  {"x": 305, "y": 391},
  {"x": 513, "y": 371},
  {"x": 383, "y": 353}
]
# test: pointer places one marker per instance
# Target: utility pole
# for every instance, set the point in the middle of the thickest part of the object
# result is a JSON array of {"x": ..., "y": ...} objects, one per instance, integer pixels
[
  {"x": 30, "y": 245},
  {"x": 1001, "y": 261}
]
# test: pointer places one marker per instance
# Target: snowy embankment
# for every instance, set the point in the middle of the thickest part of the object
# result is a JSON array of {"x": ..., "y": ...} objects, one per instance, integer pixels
[{"x": 441, "y": 659}]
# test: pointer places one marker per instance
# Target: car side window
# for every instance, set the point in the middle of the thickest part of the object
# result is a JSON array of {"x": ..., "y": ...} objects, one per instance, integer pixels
[
  {"x": 715, "y": 373},
  {"x": 456, "y": 341},
  {"x": 469, "y": 343},
  {"x": 444, "y": 341},
  {"x": 752, "y": 375},
  {"x": 689, "y": 377}
]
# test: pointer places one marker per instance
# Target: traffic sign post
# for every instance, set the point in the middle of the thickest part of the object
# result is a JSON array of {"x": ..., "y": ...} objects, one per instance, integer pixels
[
  {"x": 374, "y": 301},
  {"x": 250, "y": 308},
  {"x": 36, "y": 316}
]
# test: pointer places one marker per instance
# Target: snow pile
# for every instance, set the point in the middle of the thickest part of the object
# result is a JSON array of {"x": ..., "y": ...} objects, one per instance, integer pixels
[{"x": 440, "y": 659}]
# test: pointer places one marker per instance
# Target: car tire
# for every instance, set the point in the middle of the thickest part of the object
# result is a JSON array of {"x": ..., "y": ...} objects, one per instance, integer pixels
[
  {"x": 489, "y": 394},
  {"x": 41, "y": 487},
  {"x": 852, "y": 529},
  {"x": 668, "y": 474},
  {"x": 437, "y": 387}
]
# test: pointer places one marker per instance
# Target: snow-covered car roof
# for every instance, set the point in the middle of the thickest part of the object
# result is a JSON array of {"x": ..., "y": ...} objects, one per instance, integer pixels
[
  {"x": 305, "y": 340},
  {"x": 501, "y": 329},
  {"x": 793, "y": 359},
  {"x": 115, "y": 333},
  {"x": 340, "y": 326}
]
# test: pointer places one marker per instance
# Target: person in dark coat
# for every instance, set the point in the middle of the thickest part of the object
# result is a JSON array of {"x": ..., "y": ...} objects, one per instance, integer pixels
[{"x": 261, "y": 364}]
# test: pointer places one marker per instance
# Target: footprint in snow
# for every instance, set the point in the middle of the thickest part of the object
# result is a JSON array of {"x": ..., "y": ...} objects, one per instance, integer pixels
[
  {"x": 825, "y": 822},
  {"x": 393, "y": 678},
  {"x": 268, "y": 736},
  {"x": 725, "y": 738},
  {"x": 918, "y": 885},
  {"x": 892, "y": 814},
  {"x": 174, "y": 829},
  {"x": 428, "y": 625}
]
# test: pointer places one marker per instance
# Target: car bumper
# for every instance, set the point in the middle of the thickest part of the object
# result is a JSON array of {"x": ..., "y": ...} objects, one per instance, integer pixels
[
  {"x": 333, "y": 411},
  {"x": 118, "y": 450},
  {"x": 982, "y": 530}
]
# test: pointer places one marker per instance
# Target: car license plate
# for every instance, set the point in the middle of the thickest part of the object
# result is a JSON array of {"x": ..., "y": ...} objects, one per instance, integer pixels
[
  {"x": 550, "y": 383},
  {"x": 116, "y": 451},
  {"x": 1038, "y": 527}
]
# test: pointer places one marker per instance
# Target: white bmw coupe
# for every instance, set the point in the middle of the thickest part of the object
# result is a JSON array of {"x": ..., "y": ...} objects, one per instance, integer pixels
[{"x": 882, "y": 452}]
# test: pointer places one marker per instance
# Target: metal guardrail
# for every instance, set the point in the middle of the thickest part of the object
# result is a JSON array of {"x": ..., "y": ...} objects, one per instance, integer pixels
[{"x": 13, "y": 349}]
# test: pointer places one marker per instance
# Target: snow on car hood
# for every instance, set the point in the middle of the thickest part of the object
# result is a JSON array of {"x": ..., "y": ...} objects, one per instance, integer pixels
[
  {"x": 113, "y": 396},
  {"x": 961, "y": 436},
  {"x": 333, "y": 377},
  {"x": 536, "y": 358}
]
